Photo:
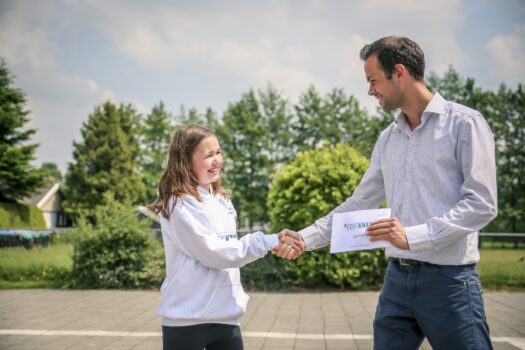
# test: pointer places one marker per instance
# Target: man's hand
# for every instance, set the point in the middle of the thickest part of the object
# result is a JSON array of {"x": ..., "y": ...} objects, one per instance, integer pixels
[
  {"x": 291, "y": 245},
  {"x": 389, "y": 230}
]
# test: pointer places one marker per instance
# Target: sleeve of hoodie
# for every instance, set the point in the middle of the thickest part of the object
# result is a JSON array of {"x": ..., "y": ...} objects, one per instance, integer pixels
[{"x": 193, "y": 233}]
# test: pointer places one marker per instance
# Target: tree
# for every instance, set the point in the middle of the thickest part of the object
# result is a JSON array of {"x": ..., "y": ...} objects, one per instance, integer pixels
[
  {"x": 244, "y": 136},
  {"x": 192, "y": 116},
  {"x": 506, "y": 115},
  {"x": 51, "y": 172},
  {"x": 336, "y": 118},
  {"x": 155, "y": 134},
  {"x": 276, "y": 113},
  {"x": 504, "y": 110},
  {"x": 106, "y": 160},
  {"x": 310, "y": 117},
  {"x": 18, "y": 178}
]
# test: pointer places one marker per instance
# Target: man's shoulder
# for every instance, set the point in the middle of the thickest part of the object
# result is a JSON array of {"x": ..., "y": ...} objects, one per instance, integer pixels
[{"x": 461, "y": 112}]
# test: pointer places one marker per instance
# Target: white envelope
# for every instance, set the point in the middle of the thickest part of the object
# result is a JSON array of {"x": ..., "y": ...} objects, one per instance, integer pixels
[{"x": 349, "y": 230}]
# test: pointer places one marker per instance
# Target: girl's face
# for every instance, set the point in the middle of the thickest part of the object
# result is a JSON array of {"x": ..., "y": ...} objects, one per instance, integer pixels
[{"x": 206, "y": 161}]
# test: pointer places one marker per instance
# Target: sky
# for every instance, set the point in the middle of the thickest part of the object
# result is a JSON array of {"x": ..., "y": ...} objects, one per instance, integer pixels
[{"x": 69, "y": 56}]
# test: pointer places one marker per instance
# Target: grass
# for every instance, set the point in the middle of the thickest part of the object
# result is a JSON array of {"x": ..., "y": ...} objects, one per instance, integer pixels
[
  {"x": 499, "y": 269},
  {"x": 502, "y": 269},
  {"x": 36, "y": 268}
]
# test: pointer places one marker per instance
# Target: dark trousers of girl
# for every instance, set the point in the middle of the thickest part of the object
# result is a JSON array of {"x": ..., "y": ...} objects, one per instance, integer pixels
[{"x": 209, "y": 336}]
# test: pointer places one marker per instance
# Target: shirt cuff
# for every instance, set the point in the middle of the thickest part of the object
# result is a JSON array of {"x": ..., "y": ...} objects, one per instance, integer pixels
[
  {"x": 272, "y": 241},
  {"x": 310, "y": 237},
  {"x": 418, "y": 238}
]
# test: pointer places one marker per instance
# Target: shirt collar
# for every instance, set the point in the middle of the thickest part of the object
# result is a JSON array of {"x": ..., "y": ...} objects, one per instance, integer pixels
[
  {"x": 203, "y": 192},
  {"x": 436, "y": 106}
]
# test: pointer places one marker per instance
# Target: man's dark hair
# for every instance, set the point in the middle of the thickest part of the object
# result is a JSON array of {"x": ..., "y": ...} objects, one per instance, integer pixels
[{"x": 392, "y": 50}]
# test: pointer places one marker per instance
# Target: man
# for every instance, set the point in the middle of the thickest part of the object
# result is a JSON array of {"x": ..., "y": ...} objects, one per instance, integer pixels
[{"x": 435, "y": 166}]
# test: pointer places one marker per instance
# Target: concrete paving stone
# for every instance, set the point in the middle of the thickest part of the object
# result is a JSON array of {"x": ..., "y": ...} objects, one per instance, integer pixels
[
  {"x": 341, "y": 345},
  {"x": 310, "y": 344},
  {"x": 253, "y": 343},
  {"x": 301, "y": 313}
]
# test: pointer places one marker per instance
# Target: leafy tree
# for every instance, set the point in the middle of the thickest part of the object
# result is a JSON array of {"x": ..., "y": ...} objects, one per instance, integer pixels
[
  {"x": 277, "y": 115},
  {"x": 18, "y": 178},
  {"x": 244, "y": 136},
  {"x": 106, "y": 160},
  {"x": 505, "y": 113},
  {"x": 311, "y": 116},
  {"x": 155, "y": 134},
  {"x": 192, "y": 116},
  {"x": 336, "y": 118},
  {"x": 51, "y": 172}
]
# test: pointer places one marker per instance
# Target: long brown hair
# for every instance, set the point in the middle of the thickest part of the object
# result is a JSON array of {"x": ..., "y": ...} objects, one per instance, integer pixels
[{"x": 178, "y": 178}]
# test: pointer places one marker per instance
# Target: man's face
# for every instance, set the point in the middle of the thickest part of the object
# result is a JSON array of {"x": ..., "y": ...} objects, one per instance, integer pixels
[{"x": 385, "y": 90}]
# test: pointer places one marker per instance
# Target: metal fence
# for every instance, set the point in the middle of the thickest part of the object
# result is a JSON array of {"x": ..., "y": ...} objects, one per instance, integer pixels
[{"x": 31, "y": 238}]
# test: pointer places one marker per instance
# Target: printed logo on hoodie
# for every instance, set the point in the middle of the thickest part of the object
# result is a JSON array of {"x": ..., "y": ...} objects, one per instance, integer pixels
[{"x": 226, "y": 236}]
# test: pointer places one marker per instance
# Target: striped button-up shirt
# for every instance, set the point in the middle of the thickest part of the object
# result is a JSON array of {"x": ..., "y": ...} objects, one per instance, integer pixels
[{"x": 439, "y": 179}]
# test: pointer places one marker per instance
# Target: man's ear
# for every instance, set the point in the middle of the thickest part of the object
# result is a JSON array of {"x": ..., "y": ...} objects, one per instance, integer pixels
[{"x": 400, "y": 71}]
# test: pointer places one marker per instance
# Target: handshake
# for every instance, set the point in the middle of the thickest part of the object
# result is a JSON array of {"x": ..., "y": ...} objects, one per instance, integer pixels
[{"x": 291, "y": 245}]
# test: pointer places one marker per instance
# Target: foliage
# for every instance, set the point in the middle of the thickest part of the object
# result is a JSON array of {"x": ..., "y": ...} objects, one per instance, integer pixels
[
  {"x": 504, "y": 110},
  {"x": 336, "y": 118},
  {"x": 308, "y": 188},
  {"x": 106, "y": 160},
  {"x": 18, "y": 178},
  {"x": 51, "y": 172},
  {"x": 113, "y": 252},
  {"x": 192, "y": 116},
  {"x": 155, "y": 134},
  {"x": 276, "y": 113},
  {"x": 19, "y": 215},
  {"x": 244, "y": 135}
]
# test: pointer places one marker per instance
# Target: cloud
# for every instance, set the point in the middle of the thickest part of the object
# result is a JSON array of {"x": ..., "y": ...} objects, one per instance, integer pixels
[
  {"x": 59, "y": 102},
  {"x": 507, "y": 53}
]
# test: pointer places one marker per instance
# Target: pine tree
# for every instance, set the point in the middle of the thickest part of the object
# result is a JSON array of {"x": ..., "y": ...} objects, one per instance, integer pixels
[
  {"x": 155, "y": 135},
  {"x": 18, "y": 178},
  {"x": 244, "y": 138},
  {"x": 106, "y": 160}
]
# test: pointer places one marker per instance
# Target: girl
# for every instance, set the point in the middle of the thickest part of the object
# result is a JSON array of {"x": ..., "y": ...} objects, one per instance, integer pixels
[{"x": 202, "y": 297}]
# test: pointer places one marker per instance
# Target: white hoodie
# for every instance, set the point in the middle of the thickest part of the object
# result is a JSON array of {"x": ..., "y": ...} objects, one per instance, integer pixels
[{"x": 203, "y": 256}]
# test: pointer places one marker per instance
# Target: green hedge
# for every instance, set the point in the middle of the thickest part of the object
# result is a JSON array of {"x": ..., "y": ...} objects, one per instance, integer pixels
[
  {"x": 303, "y": 191},
  {"x": 19, "y": 215},
  {"x": 117, "y": 251}
]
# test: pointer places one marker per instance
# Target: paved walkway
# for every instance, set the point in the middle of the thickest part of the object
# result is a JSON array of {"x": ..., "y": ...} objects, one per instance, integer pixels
[{"x": 106, "y": 319}]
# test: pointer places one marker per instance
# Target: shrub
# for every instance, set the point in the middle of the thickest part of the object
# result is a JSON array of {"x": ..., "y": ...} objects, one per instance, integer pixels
[
  {"x": 115, "y": 251},
  {"x": 311, "y": 186},
  {"x": 19, "y": 215}
]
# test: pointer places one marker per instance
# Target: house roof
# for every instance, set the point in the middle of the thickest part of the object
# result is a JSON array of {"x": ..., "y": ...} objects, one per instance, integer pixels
[
  {"x": 42, "y": 195},
  {"x": 148, "y": 213}
]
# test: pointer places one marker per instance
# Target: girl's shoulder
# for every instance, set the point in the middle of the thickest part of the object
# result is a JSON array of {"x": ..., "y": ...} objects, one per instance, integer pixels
[{"x": 186, "y": 202}]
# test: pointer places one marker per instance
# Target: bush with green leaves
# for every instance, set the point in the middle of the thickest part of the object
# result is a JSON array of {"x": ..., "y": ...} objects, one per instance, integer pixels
[
  {"x": 311, "y": 186},
  {"x": 117, "y": 251},
  {"x": 20, "y": 215}
]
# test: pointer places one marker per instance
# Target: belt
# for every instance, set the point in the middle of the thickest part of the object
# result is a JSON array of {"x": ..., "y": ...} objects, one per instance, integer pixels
[{"x": 409, "y": 262}]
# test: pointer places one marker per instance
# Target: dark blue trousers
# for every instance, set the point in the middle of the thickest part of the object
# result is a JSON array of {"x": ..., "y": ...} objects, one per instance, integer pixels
[{"x": 442, "y": 303}]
